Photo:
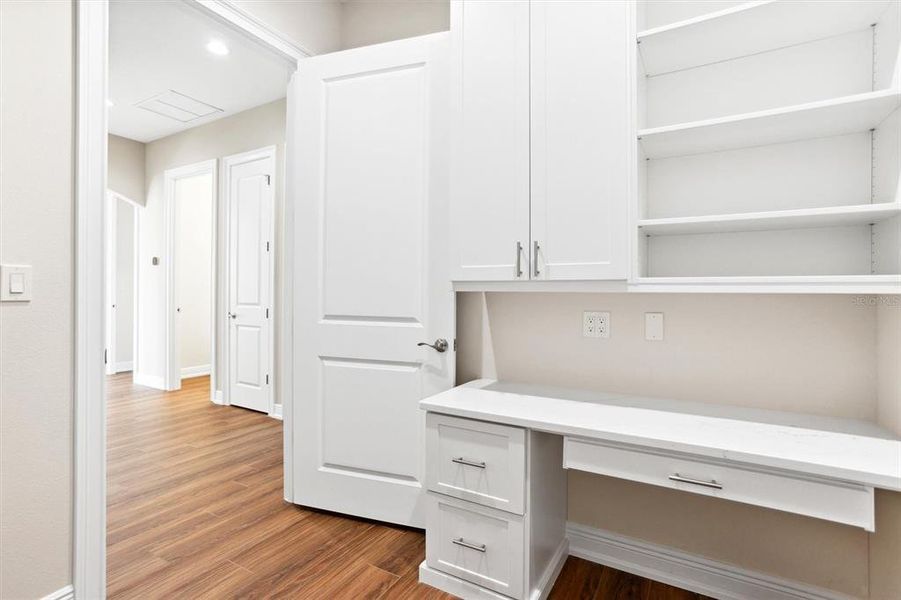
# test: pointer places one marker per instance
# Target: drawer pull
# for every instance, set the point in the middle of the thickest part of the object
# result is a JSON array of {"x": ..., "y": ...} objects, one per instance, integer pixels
[
  {"x": 709, "y": 484},
  {"x": 469, "y": 463},
  {"x": 465, "y": 544}
]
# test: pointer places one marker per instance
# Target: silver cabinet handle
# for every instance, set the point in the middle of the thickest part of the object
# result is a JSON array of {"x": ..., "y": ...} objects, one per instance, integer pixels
[
  {"x": 469, "y": 463},
  {"x": 517, "y": 271},
  {"x": 465, "y": 544},
  {"x": 708, "y": 484},
  {"x": 535, "y": 249},
  {"x": 440, "y": 345}
]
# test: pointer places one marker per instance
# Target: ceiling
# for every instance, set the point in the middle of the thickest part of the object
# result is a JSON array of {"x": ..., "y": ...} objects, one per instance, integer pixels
[{"x": 157, "y": 48}]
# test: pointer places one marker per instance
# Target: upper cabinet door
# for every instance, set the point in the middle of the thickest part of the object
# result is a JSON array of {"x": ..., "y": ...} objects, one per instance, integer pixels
[
  {"x": 581, "y": 138},
  {"x": 490, "y": 158}
]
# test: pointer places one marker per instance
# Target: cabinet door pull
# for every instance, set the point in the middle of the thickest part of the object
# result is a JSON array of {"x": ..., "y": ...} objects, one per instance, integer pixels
[
  {"x": 469, "y": 463},
  {"x": 709, "y": 484},
  {"x": 517, "y": 271},
  {"x": 465, "y": 544},
  {"x": 535, "y": 249}
]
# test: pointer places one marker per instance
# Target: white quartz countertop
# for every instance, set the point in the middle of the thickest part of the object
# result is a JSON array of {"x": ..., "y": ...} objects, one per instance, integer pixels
[{"x": 845, "y": 449}]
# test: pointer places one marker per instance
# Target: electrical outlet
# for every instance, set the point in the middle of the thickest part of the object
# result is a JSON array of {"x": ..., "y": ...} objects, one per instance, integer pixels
[{"x": 595, "y": 324}]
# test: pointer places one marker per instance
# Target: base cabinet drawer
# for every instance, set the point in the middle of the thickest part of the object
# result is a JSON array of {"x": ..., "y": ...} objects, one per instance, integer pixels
[
  {"x": 476, "y": 461},
  {"x": 476, "y": 544},
  {"x": 824, "y": 499}
]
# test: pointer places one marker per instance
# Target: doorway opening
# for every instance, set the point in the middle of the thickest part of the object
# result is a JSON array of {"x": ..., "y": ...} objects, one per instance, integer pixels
[{"x": 197, "y": 141}]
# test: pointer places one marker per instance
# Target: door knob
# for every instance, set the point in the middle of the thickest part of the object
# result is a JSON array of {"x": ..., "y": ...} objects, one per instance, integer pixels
[{"x": 440, "y": 345}]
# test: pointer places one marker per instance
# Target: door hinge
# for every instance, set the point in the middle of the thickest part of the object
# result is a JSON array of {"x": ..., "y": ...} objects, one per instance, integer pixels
[
  {"x": 105, "y": 355},
  {"x": 455, "y": 344},
  {"x": 267, "y": 379},
  {"x": 267, "y": 313},
  {"x": 267, "y": 246},
  {"x": 268, "y": 180}
]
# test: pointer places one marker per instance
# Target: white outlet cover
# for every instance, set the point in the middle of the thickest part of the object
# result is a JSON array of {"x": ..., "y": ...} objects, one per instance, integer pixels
[
  {"x": 596, "y": 324},
  {"x": 653, "y": 327}
]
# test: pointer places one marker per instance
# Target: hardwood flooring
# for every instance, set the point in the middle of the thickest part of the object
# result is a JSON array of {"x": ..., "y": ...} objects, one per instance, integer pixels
[{"x": 195, "y": 510}]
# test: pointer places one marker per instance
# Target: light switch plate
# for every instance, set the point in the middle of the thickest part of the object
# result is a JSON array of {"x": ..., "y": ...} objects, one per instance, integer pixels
[
  {"x": 653, "y": 327},
  {"x": 15, "y": 283}
]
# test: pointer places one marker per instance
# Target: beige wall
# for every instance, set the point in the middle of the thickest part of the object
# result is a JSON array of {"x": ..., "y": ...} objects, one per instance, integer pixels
[
  {"x": 314, "y": 25},
  {"x": 250, "y": 130},
  {"x": 125, "y": 167},
  {"x": 36, "y": 340},
  {"x": 366, "y": 22},
  {"x": 812, "y": 354},
  {"x": 885, "y": 545}
]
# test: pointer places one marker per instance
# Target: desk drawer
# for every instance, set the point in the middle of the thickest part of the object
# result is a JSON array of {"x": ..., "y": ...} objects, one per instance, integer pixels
[
  {"x": 476, "y": 461},
  {"x": 824, "y": 499},
  {"x": 480, "y": 545}
]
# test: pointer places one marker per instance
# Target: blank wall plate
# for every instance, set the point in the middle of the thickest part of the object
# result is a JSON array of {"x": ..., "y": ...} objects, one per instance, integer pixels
[
  {"x": 596, "y": 324},
  {"x": 653, "y": 327}
]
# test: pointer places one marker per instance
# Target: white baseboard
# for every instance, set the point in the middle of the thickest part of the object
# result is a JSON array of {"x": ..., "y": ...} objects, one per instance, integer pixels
[
  {"x": 197, "y": 371},
  {"x": 125, "y": 365},
  {"x": 152, "y": 381},
  {"x": 218, "y": 398},
  {"x": 684, "y": 570},
  {"x": 276, "y": 412},
  {"x": 66, "y": 593}
]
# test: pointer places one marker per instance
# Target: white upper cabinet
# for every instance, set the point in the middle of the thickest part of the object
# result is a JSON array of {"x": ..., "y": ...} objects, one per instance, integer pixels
[
  {"x": 543, "y": 146},
  {"x": 581, "y": 136},
  {"x": 490, "y": 162}
]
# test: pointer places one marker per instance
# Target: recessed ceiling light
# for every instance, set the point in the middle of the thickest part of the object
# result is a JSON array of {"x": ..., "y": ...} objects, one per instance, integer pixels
[{"x": 217, "y": 47}]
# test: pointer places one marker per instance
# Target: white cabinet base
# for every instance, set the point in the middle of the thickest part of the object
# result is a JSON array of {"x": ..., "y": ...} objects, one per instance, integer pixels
[{"x": 466, "y": 590}]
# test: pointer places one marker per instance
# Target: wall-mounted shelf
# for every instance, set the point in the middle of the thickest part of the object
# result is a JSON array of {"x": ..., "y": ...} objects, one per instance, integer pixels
[
  {"x": 750, "y": 28},
  {"x": 838, "y": 116},
  {"x": 786, "y": 284},
  {"x": 832, "y": 216}
]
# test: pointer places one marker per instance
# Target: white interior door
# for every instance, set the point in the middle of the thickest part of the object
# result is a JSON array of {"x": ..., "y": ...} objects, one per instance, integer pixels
[
  {"x": 249, "y": 180},
  {"x": 371, "y": 274}
]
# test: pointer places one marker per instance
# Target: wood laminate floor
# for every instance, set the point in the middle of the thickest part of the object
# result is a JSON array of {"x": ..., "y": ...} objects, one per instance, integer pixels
[{"x": 195, "y": 510}]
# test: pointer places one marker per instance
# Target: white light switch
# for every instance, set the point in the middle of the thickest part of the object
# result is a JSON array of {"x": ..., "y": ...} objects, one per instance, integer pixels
[
  {"x": 653, "y": 327},
  {"x": 15, "y": 283}
]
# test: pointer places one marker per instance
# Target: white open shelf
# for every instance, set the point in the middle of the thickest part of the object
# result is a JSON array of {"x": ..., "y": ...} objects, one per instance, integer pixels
[
  {"x": 790, "y": 284},
  {"x": 750, "y": 28},
  {"x": 832, "y": 216},
  {"x": 838, "y": 116}
]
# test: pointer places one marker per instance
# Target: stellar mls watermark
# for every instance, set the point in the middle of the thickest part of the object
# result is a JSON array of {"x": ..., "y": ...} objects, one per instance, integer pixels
[{"x": 890, "y": 301}]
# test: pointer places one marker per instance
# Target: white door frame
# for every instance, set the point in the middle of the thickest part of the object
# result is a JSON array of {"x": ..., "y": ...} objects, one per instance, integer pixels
[
  {"x": 228, "y": 163},
  {"x": 111, "y": 226},
  {"x": 92, "y": 37},
  {"x": 170, "y": 177}
]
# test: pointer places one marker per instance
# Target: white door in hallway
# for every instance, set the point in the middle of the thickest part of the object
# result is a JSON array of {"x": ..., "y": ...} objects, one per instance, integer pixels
[
  {"x": 371, "y": 274},
  {"x": 248, "y": 182}
]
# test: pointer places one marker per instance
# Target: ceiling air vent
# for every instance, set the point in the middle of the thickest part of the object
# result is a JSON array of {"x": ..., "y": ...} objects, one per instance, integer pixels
[{"x": 177, "y": 106}]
